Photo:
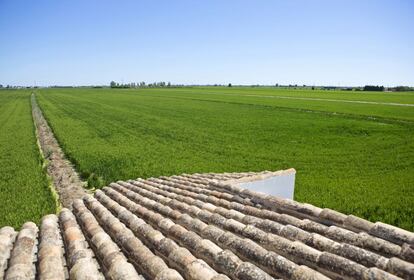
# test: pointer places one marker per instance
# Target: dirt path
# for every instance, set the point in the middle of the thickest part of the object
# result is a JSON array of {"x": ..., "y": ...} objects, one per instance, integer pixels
[
  {"x": 315, "y": 99},
  {"x": 65, "y": 179}
]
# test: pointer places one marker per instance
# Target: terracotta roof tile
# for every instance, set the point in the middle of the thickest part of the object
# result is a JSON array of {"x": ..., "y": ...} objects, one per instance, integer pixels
[{"x": 203, "y": 226}]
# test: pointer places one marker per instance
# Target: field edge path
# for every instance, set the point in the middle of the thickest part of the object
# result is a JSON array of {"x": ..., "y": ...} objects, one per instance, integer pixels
[
  {"x": 66, "y": 180},
  {"x": 315, "y": 99}
]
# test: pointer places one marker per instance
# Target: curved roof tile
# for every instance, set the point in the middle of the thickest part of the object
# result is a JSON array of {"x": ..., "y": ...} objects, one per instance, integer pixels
[{"x": 203, "y": 226}]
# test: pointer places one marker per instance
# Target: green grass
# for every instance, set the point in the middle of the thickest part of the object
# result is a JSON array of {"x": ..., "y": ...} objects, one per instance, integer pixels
[
  {"x": 24, "y": 191},
  {"x": 353, "y": 157}
]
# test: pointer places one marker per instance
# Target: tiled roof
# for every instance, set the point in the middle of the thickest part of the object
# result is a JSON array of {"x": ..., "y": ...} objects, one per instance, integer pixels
[{"x": 202, "y": 226}]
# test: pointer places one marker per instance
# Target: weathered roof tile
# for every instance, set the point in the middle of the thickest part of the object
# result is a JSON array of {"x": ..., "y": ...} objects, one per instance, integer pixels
[
  {"x": 7, "y": 237},
  {"x": 21, "y": 264},
  {"x": 203, "y": 226}
]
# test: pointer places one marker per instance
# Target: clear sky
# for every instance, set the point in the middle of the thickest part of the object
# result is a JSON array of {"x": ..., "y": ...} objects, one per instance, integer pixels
[{"x": 85, "y": 42}]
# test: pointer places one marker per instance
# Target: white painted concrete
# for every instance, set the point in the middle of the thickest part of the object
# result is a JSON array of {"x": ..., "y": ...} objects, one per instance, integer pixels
[{"x": 279, "y": 184}]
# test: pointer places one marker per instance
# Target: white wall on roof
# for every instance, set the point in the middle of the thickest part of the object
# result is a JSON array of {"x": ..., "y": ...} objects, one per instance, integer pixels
[{"x": 280, "y": 185}]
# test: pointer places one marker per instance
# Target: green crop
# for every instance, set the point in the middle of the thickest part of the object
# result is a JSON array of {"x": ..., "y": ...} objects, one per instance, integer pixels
[
  {"x": 353, "y": 157},
  {"x": 24, "y": 191}
]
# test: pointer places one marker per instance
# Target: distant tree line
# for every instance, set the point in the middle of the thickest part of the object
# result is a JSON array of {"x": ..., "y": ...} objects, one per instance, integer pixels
[
  {"x": 373, "y": 88},
  {"x": 313, "y": 87},
  {"x": 8, "y": 86},
  {"x": 114, "y": 84},
  {"x": 402, "y": 88},
  {"x": 14, "y": 87},
  {"x": 382, "y": 88}
]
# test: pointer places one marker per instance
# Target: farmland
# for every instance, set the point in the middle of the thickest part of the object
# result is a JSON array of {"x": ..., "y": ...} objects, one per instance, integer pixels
[
  {"x": 353, "y": 151},
  {"x": 24, "y": 191}
]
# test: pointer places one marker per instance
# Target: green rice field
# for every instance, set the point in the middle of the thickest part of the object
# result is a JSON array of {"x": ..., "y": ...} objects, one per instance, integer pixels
[
  {"x": 353, "y": 151},
  {"x": 24, "y": 191}
]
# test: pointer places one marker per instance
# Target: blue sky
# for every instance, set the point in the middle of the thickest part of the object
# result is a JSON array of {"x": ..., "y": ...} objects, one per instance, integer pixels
[{"x": 85, "y": 42}]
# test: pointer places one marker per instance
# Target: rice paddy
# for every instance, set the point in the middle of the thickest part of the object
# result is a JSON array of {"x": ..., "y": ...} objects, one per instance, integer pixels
[
  {"x": 24, "y": 191},
  {"x": 353, "y": 151}
]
